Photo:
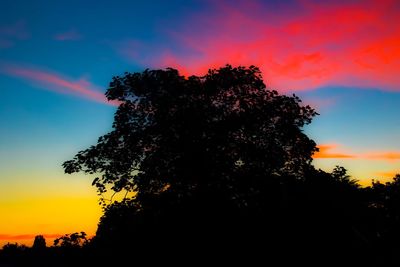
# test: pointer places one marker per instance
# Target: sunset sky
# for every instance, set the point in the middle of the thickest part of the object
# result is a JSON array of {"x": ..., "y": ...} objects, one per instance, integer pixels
[{"x": 57, "y": 58}]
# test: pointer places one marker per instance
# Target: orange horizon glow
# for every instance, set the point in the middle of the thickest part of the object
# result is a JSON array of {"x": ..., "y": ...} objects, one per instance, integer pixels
[
  {"x": 388, "y": 175},
  {"x": 51, "y": 205},
  {"x": 361, "y": 165}
]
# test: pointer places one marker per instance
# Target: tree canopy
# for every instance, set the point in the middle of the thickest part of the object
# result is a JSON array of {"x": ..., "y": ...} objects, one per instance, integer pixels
[{"x": 224, "y": 130}]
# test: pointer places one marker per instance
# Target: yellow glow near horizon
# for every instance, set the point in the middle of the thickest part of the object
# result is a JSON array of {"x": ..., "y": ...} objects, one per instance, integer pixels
[
  {"x": 363, "y": 170},
  {"x": 48, "y": 216},
  {"x": 53, "y": 204}
]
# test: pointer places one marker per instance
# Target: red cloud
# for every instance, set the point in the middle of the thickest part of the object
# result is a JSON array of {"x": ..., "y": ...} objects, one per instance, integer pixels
[
  {"x": 57, "y": 83},
  {"x": 305, "y": 45}
]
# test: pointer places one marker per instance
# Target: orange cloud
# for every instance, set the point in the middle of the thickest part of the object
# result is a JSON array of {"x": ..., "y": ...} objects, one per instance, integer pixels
[
  {"x": 26, "y": 236},
  {"x": 329, "y": 151},
  {"x": 306, "y": 45},
  {"x": 384, "y": 156},
  {"x": 325, "y": 152},
  {"x": 57, "y": 83}
]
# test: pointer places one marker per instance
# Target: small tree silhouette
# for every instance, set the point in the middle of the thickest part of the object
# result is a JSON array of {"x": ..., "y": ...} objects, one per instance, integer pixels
[
  {"x": 340, "y": 174},
  {"x": 39, "y": 243},
  {"x": 74, "y": 240}
]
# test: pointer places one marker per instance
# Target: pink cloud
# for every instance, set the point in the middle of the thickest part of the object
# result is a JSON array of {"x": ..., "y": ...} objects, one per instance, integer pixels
[
  {"x": 303, "y": 46},
  {"x": 17, "y": 30},
  {"x": 10, "y": 34},
  {"x": 4, "y": 43},
  {"x": 57, "y": 83},
  {"x": 71, "y": 35},
  {"x": 319, "y": 103}
]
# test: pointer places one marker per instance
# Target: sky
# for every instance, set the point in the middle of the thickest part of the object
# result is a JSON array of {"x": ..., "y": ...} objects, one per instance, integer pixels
[{"x": 57, "y": 58}]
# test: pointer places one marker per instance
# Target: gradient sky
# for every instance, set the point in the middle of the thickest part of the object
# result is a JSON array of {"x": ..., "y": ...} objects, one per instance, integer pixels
[{"x": 57, "y": 58}]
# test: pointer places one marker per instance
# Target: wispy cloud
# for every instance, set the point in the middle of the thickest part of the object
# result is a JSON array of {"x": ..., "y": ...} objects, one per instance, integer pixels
[
  {"x": 10, "y": 238},
  {"x": 335, "y": 151},
  {"x": 71, "y": 35},
  {"x": 387, "y": 174},
  {"x": 325, "y": 152},
  {"x": 390, "y": 156},
  {"x": 5, "y": 43},
  {"x": 11, "y": 33},
  {"x": 57, "y": 83},
  {"x": 306, "y": 45}
]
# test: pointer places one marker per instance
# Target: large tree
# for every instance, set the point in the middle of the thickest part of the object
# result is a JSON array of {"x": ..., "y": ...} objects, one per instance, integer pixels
[{"x": 224, "y": 131}]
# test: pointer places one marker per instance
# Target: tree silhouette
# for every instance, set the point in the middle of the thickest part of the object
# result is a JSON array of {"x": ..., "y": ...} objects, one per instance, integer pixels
[
  {"x": 203, "y": 155},
  {"x": 340, "y": 174},
  {"x": 222, "y": 130},
  {"x": 11, "y": 253},
  {"x": 39, "y": 243},
  {"x": 221, "y": 160},
  {"x": 217, "y": 168},
  {"x": 74, "y": 240}
]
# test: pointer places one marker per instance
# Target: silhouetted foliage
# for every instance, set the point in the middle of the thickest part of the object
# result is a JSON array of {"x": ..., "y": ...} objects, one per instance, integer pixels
[
  {"x": 220, "y": 171},
  {"x": 71, "y": 250},
  {"x": 340, "y": 174},
  {"x": 204, "y": 155},
  {"x": 39, "y": 242},
  {"x": 384, "y": 201},
  {"x": 224, "y": 131},
  {"x": 74, "y": 240},
  {"x": 10, "y": 248},
  {"x": 222, "y": 160}
]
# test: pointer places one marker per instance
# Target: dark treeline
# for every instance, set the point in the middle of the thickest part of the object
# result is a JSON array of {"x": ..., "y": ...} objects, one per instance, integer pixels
[{"x": 221, "y": 172}]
